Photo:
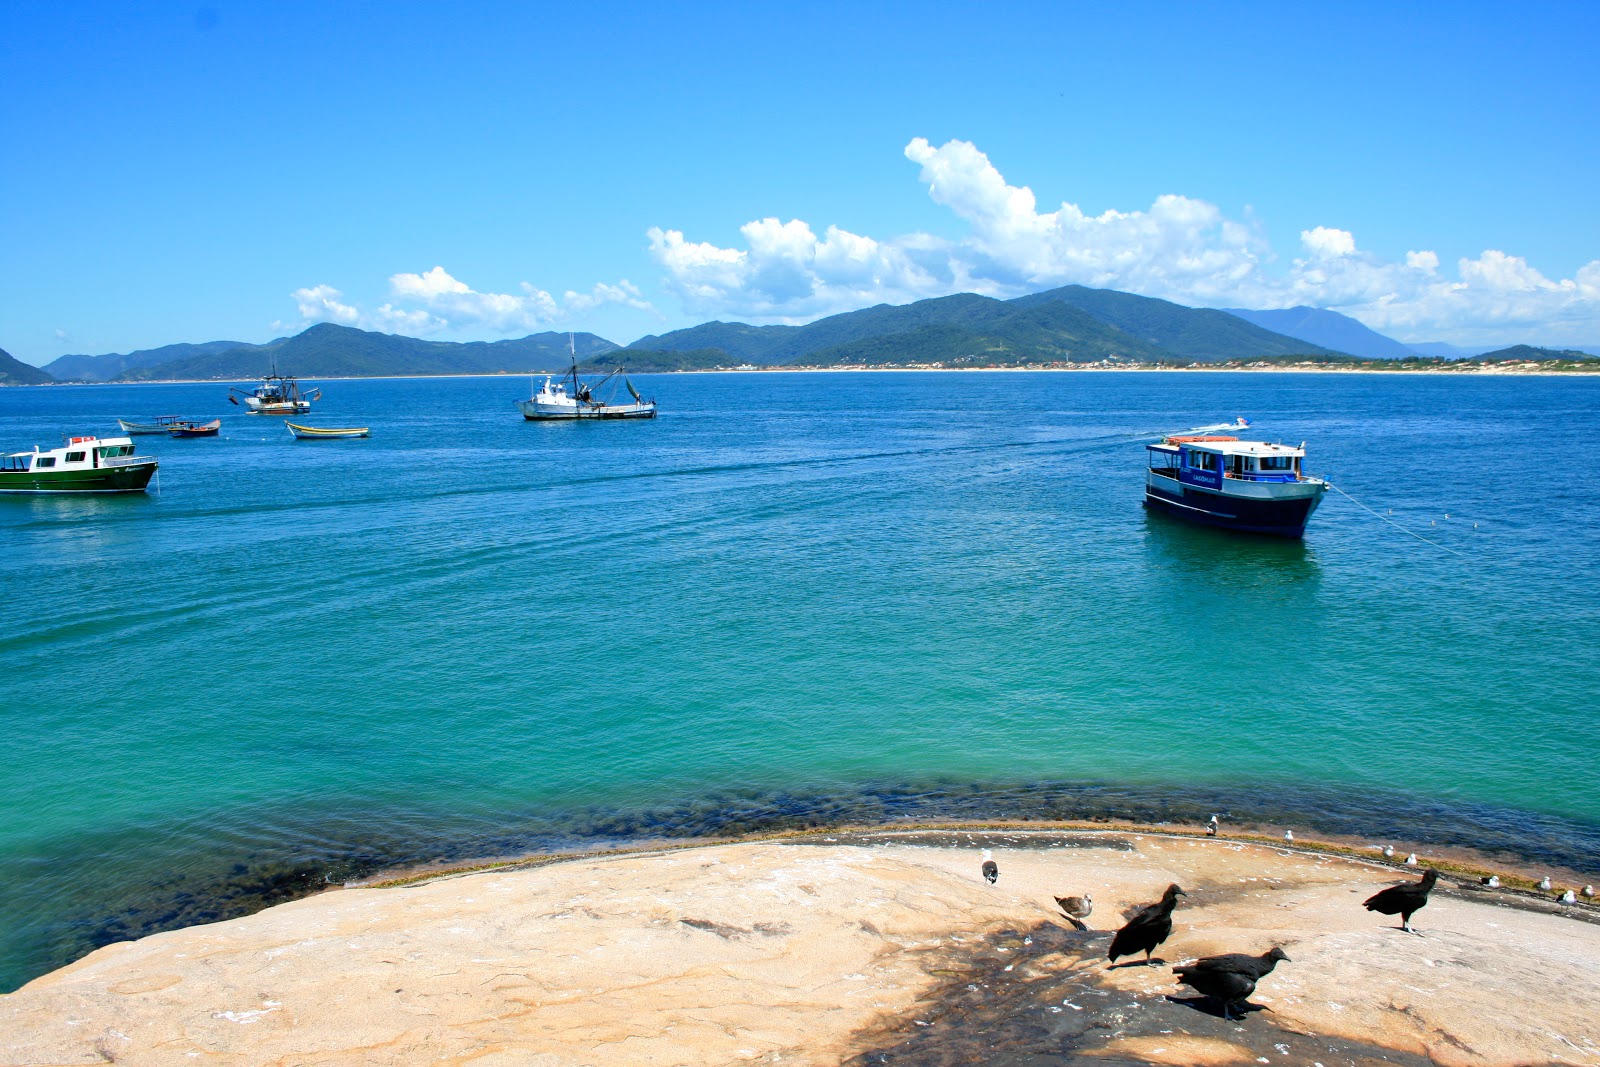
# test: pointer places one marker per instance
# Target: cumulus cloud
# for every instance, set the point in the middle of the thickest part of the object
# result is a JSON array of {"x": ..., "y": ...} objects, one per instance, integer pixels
[
  {"x": 434, "y": 301},
  {"x": 1179, "y": 248}
]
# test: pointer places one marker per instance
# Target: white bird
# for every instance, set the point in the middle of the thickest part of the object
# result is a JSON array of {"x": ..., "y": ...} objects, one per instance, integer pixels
[
  {"x": 1569, "y": 897},
  {"x": 1411, "y": 860},
  {"x": 1493, "y": 881},
  {"x": 1288, "y": 836},
  {"x": 1544, "y": 883},
  {"x": 1588, "y": 890},
  {"x": 1388, "y": 852},
  {"x": 1211, "y": 826},
  {"x": 991, "y": 870}
]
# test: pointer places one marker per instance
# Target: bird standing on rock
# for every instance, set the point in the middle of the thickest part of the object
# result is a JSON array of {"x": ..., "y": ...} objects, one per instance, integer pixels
[
  {"x": 1147, "y": 929},
  {"x": 1076, "y": 909},
  {"x": 991, "y": 869},
  {"x": 1288, "y": 837},
  {"x": 1211, "y": 827},
  {"x": 1404, "y": 900},
  {"x": 1230, "y": 978},
  {"x": 1544, "y": 883},
  {"x": 1411, "y": 860},
  {"x": 1388, "y": 852}
]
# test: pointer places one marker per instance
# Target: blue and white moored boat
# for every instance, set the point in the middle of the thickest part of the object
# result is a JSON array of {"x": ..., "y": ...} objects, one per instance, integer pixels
[{"x": 1219, "y": 480}]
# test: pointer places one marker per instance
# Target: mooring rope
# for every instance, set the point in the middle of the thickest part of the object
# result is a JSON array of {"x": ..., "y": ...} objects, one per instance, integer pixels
[{"x": 1391, "y": 522}]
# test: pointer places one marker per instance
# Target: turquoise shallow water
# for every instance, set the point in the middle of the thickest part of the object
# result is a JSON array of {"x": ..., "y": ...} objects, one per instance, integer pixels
[{"x": 789, "y": 598}]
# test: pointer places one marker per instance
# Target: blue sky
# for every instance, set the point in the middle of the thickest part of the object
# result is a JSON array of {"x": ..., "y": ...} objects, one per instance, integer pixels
[{"x": 191, "y": 172}]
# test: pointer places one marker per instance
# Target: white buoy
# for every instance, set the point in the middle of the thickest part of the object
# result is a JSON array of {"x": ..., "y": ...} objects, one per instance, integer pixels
[
  {"x": 1544, "y": 883},
  {"x": 1411, "y": 860}
]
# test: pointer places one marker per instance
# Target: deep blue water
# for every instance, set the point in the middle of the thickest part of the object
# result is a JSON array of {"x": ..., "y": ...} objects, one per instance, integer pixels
[{"x": 791, "y": 597}]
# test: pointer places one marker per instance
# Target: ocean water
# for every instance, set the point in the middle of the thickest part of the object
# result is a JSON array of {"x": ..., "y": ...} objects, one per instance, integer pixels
[{"x": 791, "y": 598}]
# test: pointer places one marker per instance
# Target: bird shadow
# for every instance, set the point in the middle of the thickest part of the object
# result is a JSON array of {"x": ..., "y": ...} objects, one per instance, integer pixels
[
  {"x": 1213, "y": 1007},
  {"x": 1156, "y": 961}
]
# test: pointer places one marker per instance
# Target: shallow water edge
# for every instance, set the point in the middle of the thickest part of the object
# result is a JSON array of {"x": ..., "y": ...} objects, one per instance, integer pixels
[{"x": 219, "y": 886}]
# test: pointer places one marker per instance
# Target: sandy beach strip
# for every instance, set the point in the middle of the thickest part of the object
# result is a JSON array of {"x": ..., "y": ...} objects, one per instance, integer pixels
[{"x": 859, "y": 948}]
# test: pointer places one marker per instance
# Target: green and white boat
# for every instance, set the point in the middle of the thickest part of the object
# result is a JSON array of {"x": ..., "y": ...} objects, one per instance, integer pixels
[{"x": 82, "y": 465}]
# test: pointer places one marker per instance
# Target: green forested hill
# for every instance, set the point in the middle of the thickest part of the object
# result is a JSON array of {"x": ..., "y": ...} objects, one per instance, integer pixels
[
  {"x": 329, "y": 351},
  {"x": 115, "y": 364},
  {"x": 1070, "y": 324},
  {"x": 15, "y": 372},
  {"x": 1046, "y": 333},
  {"x": 1188, "y": 334}
]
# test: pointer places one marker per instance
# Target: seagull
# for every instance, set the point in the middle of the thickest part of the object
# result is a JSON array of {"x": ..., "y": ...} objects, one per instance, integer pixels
[
  {"x": 1569, "y": 897},
  {"x": 1411, "y": 860},
  {"x": 1211, "y": 826},
  {"x": 1388, "y": 852},
  {"x": 991, "y": 870},
  {"x": 1288, "y": 837},
  {"x": 1544, "y": 883},
  {"x": 1147, "y": 929},
  {"x": 1076, "y": 909},
  {"x": 1230, "y": 978},
  {"x": 1493, "y": 881},
  {"x": 1404, "y": 900},
  {"x": 1588, "y": 890}
]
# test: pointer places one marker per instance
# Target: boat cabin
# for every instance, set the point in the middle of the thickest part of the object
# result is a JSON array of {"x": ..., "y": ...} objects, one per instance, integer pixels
[
  {"x": 79, "y": 453},
  {"x": 1207, "y": 460}
]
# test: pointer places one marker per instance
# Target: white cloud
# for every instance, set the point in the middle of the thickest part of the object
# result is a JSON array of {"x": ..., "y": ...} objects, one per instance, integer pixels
[
  {"x": 1178, "y": 248},
  {"x": 434, "y": 301}
]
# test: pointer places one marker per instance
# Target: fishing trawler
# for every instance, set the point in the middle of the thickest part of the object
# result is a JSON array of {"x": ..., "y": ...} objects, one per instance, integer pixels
[
  {"x": 1217, "y": 479},
  {"x": 82, "y": 465},
  {"x": 552, "y": 401},
  {"x": 277, "y": 394}
]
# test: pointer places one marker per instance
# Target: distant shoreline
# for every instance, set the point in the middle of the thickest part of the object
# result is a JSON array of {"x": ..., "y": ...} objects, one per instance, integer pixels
[{"x": 1447, "y": 372}]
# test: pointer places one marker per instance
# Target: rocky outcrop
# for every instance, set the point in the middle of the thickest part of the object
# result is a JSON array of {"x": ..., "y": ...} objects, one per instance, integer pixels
[{"x": 875, "y": 948}]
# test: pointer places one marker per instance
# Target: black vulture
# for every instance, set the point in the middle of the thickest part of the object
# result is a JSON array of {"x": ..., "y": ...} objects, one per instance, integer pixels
[
  {"x": 1404, "y": 900},
  {"x": 1151, "y": 926},
  {"x": 1076, "y": 909},
  {"x": 991, "y": 870},
  {"x": 1230, "y": 978}
]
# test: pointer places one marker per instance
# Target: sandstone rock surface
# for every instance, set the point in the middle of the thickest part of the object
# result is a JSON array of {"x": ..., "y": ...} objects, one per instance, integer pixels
[{"x": 867, "y": 948}]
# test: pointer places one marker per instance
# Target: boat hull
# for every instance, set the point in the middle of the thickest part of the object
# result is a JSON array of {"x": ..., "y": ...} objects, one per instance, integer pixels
[
  {"x": 295, "y": 407},
  {"x": 126, "y": 478},
  {"x": 328, "y": 433},
  {"x": 136, "y": 428},
  {"x": 537, "y": 413},
  {"x": 1282, "y": 514}
]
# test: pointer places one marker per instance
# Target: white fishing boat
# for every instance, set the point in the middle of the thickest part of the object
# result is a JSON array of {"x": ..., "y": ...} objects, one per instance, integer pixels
[
  {"x": 1219, "y": 480},
  {"x": 552, "y": 401},
  {"x": 277, "y": 394}
]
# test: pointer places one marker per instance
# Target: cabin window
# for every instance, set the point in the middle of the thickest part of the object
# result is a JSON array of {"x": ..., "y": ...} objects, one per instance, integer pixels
[
  {"x": 45, "y": 461},
  {"x": 75, "y": 457},
  {"x": 14, "y": 463},
  {"x": 1204, "y": 461},
  {"x": 1277, "y": 463}
]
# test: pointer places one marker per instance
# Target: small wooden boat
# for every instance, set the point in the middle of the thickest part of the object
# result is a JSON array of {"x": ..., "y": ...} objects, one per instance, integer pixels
[
  {"x": 160, "y": 424},
  {"x": 195, "y": 429},
  {"x": 318, "y": 433}
]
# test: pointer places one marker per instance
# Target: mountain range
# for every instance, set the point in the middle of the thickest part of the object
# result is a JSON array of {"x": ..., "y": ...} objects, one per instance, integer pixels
[{"x": 1071, "y": 324}]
